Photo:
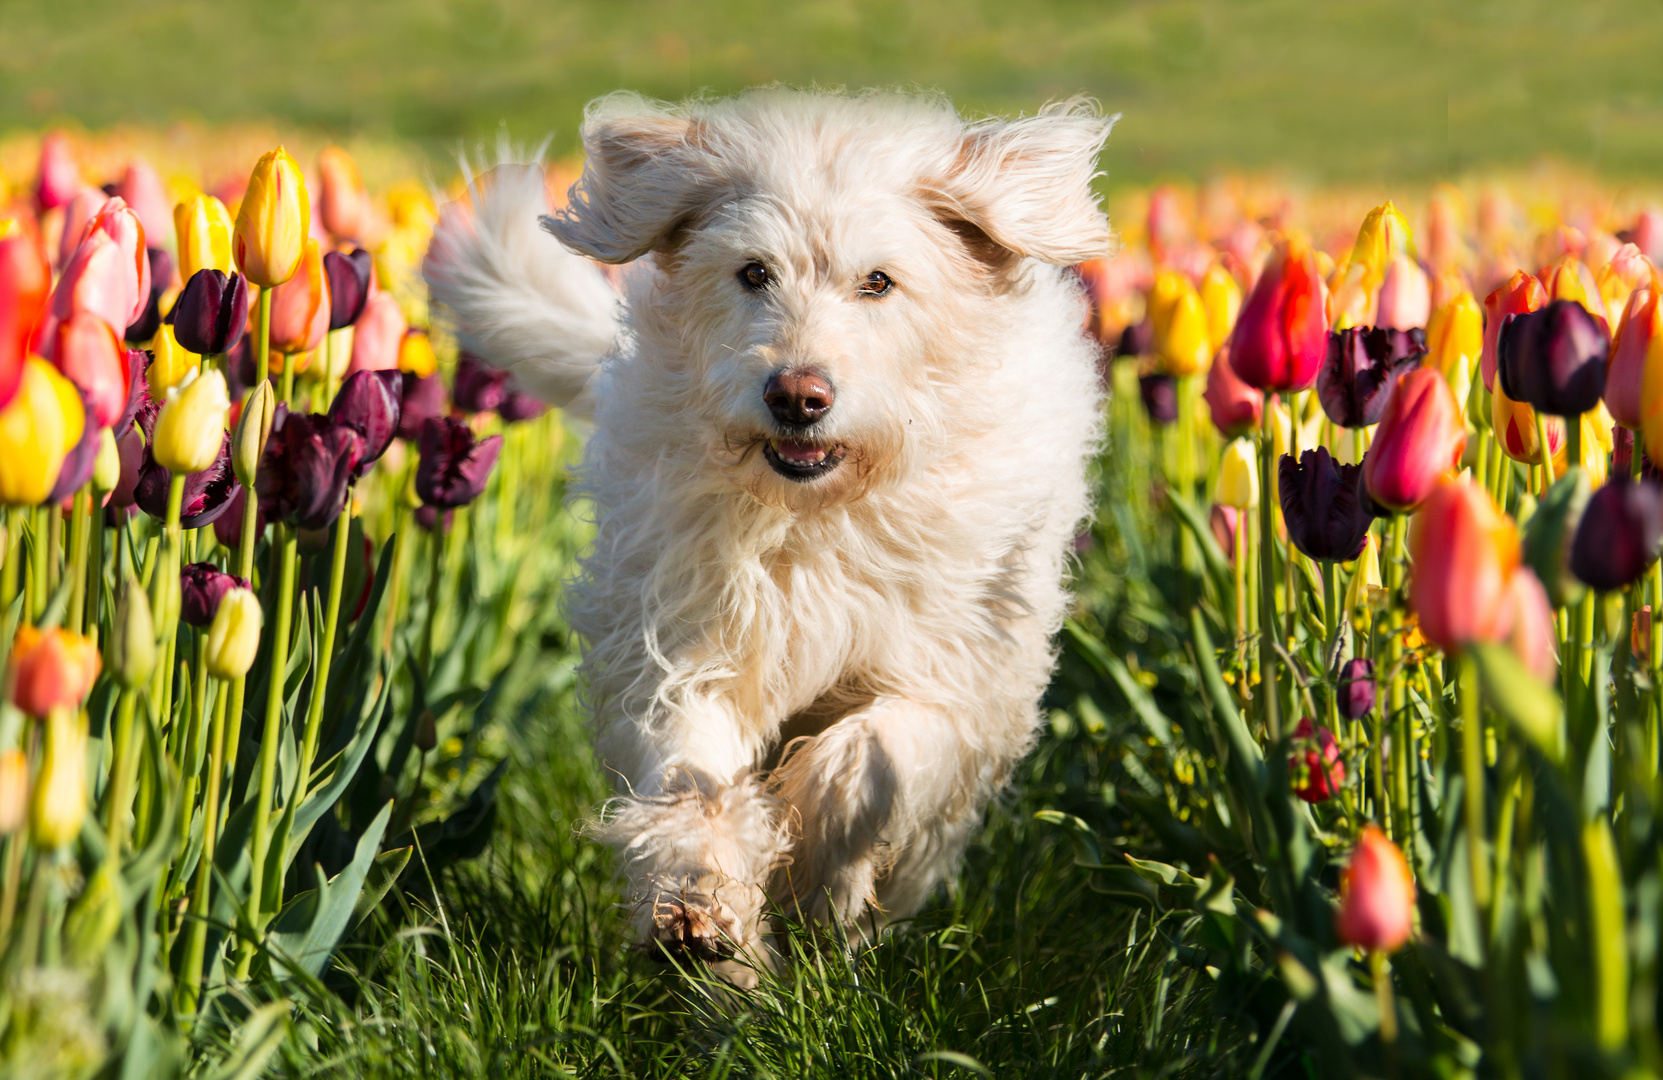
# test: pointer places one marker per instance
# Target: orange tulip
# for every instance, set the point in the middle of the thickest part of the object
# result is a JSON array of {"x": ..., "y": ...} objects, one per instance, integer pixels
[
  {"x": 342, "y": 202},
  {"x": 1521, "y": 293},
  {"x": 1636, "y": 358},
  {"x": 1377, "y": 895},
  {"x": 1465, "y": 553},
  {"x": 300, "y": 306},
  {"x": 1420, "y": 439},
  {"x": 51, "y": 668}
]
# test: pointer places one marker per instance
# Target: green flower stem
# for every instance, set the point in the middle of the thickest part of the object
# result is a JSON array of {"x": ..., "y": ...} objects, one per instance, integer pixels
[
  {"x": 1239, "y": 570},
  {"x": 1330, "y": 626},
  {"x": 125, "y": 755},
  {"x": 1381, "y": 973},
  {"x": 332, "y": 615},
  {"x": 95, "y": 571},
  {"x": 54, "y": 548},
  {"x": 195, "y": 947},
  {"x": 283, "y": 555},
  {"x": 9, "y": 577},
  {"x": 1544, "y": 453},
  {"x": 402, "y": 524},
  {"x": 1585, "y": 640},
  {"x": 80, "y": 535},
  {"x": 194, "y": 745},
  {"x": 39, "y": 582},
  {"x": 1656, "y": 657},
  {"x": 1472, "y": 770},
  {"x": 245, "y": 570},
  {"x": 1267, "y": 588},
  {"x": 435, "y": 577}
]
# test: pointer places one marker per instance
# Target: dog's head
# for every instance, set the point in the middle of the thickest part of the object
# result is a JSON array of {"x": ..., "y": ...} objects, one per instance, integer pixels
[{"x": 824, "y": 266}]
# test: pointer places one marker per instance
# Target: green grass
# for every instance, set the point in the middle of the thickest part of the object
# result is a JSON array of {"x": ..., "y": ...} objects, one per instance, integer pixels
[{"x": 1370, "y": 90}]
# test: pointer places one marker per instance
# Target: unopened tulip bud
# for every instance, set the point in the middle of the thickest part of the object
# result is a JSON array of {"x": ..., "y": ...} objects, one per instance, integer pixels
[
  {"x": 212, "y": 312},
  {"x": 1619, "y": 534},
  {"x": 201, "y": 588},
  {"x": 96, "y": 916},
  {"x": 60, "y": 176},
  {"x": 1181, "y": 341},
  {"x": 234, "y": 636},
  {"x": 59, "y": 804},
  {"x": 14, "y": 791},
  {"x": 51, "y": 669},
  {"x": 1532, "y": 637},
  {"x": 133, "y": 637},
  {"x": 253, "y": 429},
  {"x": 1238, "y": 476},
  {"x": 1634, "y": 375},
  {"x": 269, "y": 239},
  {"x": 204, "y": 231},
  {"x": 1553, "y": 359},
  {"x": 1455, "y": 338},
  {"x": 191, "y": 426},
  {"x": 1420, "y": 439},
  {"x": 170, "y": 364},
  {"x": 1377, "y": 895},
  {"x": 1224, "y": 521},
  {"x": 106, "y": 467},
  {"x": 1221, "y": 300},
  {"x": 1281, "y": 336},
  {"x": 1465, "y": 553},
  {"x": 348, "y": 274},
  {"x": 378, "y": 334},
  {"x": 1315, "y": 769},
  {"x": 91, "y": 356},
  {"x": 1356, "y": 689}
]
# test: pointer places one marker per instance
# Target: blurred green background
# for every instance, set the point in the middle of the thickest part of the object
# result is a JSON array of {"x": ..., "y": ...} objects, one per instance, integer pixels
[{"x": 1360, "y": 90}]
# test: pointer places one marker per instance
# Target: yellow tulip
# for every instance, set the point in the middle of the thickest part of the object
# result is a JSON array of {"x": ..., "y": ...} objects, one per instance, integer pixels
[
  {"x": 204, "y": 231},
  {"x": 415, "y": 354},
  {"x": 1182, "y": 346},
  {"x": 59, "y": 800},
  {"x": 40, "y": 426},
  {"x": 1455, "y": 338},
  {"x": 1366, "y": 588},
  {"x": 234, "y": 636},
  {"x": 273, "y": 222},
  {"x": 1383, "y": 236},
  {"x": 14, "y": 791},
  {"x": 1238, "y": 476},
  {"x": 1221, "y": 300},
  {"x": 173, "y": 362},
  {"x": 191, "y": 425}
]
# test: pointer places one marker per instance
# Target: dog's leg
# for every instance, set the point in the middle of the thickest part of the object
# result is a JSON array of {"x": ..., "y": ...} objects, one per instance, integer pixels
[{"x": 880, "y": 806}]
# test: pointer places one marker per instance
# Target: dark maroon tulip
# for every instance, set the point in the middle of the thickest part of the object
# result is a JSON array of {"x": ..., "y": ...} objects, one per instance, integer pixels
[
  {"x": 1356, "y": 690},
  {"x": 478, "y": 386},
  {"x": 454, "y": 466},
  {"x": 304, "y": 472},
  {"x": 1160, "y": 397},
  {"x": 1554, "y": 358},
  {"x": 424, "y": 399},
  {"x": 1360, "y": 369},
  {"x": 1326, "y": 517},
  {"x": 348, "y": 274},
  {"x": 1619, "y": 534},
  {"x": 1137, "y": 339},
  {"x": 369, "y": 402},
  {"x": 207, "y": 493},
  {"x": 212, "y": 312},
  {"x": 428, "y": 516},
  {"x": 77, "y": 465},
  {"x": 228, "y": 527},
  {"x": 150, "y": 320},
  {"x": 517, "y": 406},
  {"x": 202, "y": 586}
]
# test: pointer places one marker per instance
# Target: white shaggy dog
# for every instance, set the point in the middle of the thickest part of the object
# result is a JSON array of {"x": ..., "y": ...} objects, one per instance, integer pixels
[{"x": 841, "y": 431}]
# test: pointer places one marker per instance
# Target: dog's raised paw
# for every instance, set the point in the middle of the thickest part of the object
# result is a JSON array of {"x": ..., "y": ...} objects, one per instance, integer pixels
[{"x": 693, "y": 926}]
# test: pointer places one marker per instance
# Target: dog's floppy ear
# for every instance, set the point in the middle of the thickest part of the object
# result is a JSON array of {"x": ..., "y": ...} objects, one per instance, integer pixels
[
  {"x": 1023, "y": 187},
  {"x": 645, "y": 174}
]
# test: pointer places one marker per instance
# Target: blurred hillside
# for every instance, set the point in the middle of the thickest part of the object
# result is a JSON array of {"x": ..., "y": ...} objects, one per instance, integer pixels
[{"x": 1365, "y": 90}]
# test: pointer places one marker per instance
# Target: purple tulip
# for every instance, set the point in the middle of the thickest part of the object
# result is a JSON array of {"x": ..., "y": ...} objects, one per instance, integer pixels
[
  {"x": 304, "y": 472},
  {"x": 1137, "y": 339},
  {"x": 517, "y": 406},
  {"x": 1554, "y": 358},
  {"x": 77, "y": 465},
  {"x": 454, "y": 466},
  {"x": 202, "y": 586},
  {"x": 1327, "y": 518},
  {"x": 1160, "y": 397},
  {"x": 423, "y": 399},
  {"x": 228, "y": 527},
  {"x": 1619, "y": 534},
  {"x": 1356, "y": 689},
  {"x": 369, "y": 402},
  {"x": 212, "y": 312},
  {"x": 1361, "y": 367},
  {"x": 150, "y": 320},
  {"x": 478, "y": 387},
  {"x": 207, "y": 493},
  {"x": 348, "y": 274},
  {"x": 429, "y": 517}
]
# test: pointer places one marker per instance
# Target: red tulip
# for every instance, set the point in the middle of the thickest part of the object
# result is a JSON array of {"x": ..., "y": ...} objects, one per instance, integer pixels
[
  {"x": 1235, "y": 406},
  {"x": 51, "y": 669},
  {"x": 25, "y": 281},
  {"x": 89, "y": 354},
  {"x": 379, "y": 333},
  {"x": 1465, "y": 554},
  {"x": 1377, "y": 895},
  {"x": 59, "y": 177},
  {"x": 1315, "y": 768},
  {"x": 1520, "y": 294},
  {"x": 1281, "y": 335},
  {"x": 1419, "y": 440}
]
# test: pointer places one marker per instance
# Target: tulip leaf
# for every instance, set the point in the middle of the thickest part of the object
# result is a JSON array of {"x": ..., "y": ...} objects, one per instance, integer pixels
[
  {"x": 1526, "y": 702},
  {"x": 1218, "y": 566},
  {"x": 386, "y": 869},
  {"x": 1547, "y": 538},
  {"x": 1115, "y": 668},
  {"x": 306, "y": 931},
  {"x": 319, "y": 801},
  {"x": 1246, "y": 758}
]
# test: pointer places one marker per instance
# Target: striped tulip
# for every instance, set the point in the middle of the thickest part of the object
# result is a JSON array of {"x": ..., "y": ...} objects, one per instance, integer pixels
[
  {"x": 269, "y": 240},
  {"x": 204, "y": 231}
]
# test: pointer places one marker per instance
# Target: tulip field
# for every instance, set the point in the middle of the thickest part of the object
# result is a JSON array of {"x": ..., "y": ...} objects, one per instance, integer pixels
[{"x": 1353, "y": 757}]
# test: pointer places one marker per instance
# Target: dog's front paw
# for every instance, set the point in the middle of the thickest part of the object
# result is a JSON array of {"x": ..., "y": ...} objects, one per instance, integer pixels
[{"x": 687, "y": 923}]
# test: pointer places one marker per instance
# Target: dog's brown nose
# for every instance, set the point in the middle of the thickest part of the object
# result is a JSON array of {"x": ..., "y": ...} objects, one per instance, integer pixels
[{"x": 798, "y": 397}]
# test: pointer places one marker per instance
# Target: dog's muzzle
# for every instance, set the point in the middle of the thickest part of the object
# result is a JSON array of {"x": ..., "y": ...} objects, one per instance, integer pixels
[{"x": 799, "y": 399}]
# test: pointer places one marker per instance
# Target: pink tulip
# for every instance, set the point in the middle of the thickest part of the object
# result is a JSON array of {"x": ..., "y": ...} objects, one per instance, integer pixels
[
  {"x": 142, "y": 187},
  {"x": 78, "y": 214},
  {"x": 1236, "y": 407},
  {"x": 1420, "y": 439},
  {"x": 118, "y": 220},
  {"x": 379, "y": 333},
  {"x": 60, "y": 177},
  {"x": 90, "y": 355},
  {"x": 1405, "y": 298},
  {"x": 1377, "y": 895},
  {"x": 1647, "y": 233},
  {"x": 1281, "y": 336},
  {"x": 98, "y": 279}
]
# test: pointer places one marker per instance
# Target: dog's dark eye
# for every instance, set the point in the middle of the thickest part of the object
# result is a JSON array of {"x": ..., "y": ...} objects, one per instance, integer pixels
[
  {"x": 755, "y": 276},
  {"x": 876, "y": 284}
]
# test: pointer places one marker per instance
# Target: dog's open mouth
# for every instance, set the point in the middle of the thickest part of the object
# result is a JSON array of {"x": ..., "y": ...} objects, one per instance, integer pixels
[{"x": 801, "y": 459}]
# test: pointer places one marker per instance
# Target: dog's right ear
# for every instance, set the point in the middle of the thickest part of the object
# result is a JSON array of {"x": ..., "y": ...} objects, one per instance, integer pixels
[{"x": 644, "y": 177}]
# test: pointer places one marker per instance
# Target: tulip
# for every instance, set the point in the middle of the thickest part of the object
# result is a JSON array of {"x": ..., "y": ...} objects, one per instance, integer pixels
[
  {"x": 212, "y": 313},
  {"x": 203, "y": 229},
  {"x": 207, "y": 492},
  {"x": 190, "y": 430},
  {"x": 1326, "y": 519},
  {"x": 59, "y": 177},
  {"x": 1221, "y": 300},
  {"x": 97, "y": 279},
  {"x": 25, "y": 283},
  {"x": 1356, "y": 689},
  {"x": 1235, "y": 406},
  {"x": 1383, "y": 237},
  {"x": 454, "y": 466},
  {"x": 1138, "y": 339},
  {"x": 300, "y": 306},
  {"x": 202, "y": 586},
  {"x": 1568, "y": 279},
  {"x": 1553, "y": 359},
  {"x": 1167, "y": 221},
  {"x": 1619, "y": 534},
  {"x": 1159, "y": 393},
  {"x": 118, "y": 221},
  {"x": 349, "y": 285},
  {"x": 422, "y": 400},
  {"x": 1515, "y": 427},
  {"x": 1520, "y": 294},
  {"x": 343, "y": 204},
  {"x": 1377, "y": 895},
  {"x": 142, "y": 189},
  {"x": 1627, "y": 271},
  {"x": 228, "y": 527},
  {"x": 1281, "y": 337},
  {"x": 37, "y": 430},
  {"x": 307, "y": 464},
  {"x": 1532, "y": 638},
  {"x": 51, "y": 669},
  {"x": 1365, "y": 588},
  {"x": 1182, "y": 346},
  {"x": 1224, "y": 520},
  {"x": 1465, "y": 553},
  {"x": 379, "y": 333},
  {"x": 138, "y": 389},
  {"x": 478, "y": 387},
  {"x": 1361, "y": 366},
  {"x": 234, "y": 635},
  {"x": 269, "y": 240},
  {"x": 145, "y": 326},
  {"x": 89, "y": 355},
  {"x": 369, "y": 403},
  {"x": 106, "y": 465},
  {"x": 516, "y": 406},
  {"x": 415, "y": 354},
  {"x": 1238, "y": 476},
  {"x": 14, "y": 791},
  {"x": 1455, "y": 338},
  {"x": 1419, "y": 440},
  {"x": 77, "y": 465},
  {"x": 248, "y": 444},
  {"x": 1634, "y": 374},
  {"x": 77, "y": 216},
  {"x": 1315, "y": 767},
  {"x": 59, "y": 802},
  {"x": 1405, "y": 298},
  {"x": 133, "y": 638}
]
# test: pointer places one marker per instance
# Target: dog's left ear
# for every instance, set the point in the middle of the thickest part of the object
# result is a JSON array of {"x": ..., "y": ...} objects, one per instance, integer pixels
[{"x": 1024, "y": 186}]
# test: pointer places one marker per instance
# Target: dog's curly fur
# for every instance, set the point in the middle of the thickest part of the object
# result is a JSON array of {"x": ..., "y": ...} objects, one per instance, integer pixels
[{"x": 808, "y": 689}]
